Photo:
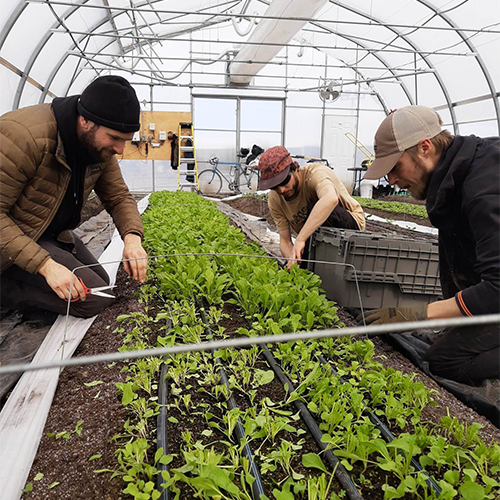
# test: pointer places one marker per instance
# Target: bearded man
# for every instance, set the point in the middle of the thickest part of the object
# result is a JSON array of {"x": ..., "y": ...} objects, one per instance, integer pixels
[
  {"x": 51, "y": 157},
  {"x": 303, "y": 199},
  {"x": 459, "y": 177}
]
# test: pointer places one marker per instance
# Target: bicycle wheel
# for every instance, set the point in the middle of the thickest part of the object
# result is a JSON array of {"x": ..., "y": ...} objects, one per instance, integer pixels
[{"x": 210, "y": 182}]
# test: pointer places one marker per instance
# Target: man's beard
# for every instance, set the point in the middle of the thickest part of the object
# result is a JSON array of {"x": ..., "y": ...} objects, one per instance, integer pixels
[
  {"x": 293, "y": 194},
  {"x": 87, "y": 142},
  {"x": 419, "y": 190}
]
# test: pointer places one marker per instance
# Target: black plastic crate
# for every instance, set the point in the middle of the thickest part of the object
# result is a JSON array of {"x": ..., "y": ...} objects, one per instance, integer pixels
[{"x": 391, "y": 270}]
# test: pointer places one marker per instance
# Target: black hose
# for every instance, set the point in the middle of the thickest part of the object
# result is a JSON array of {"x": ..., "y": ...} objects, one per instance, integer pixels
[
  {"x": 384, "y": 431},
  {"x": 257, "y": 487},
  {"x": 339, "y": 470},
  {"x": 161, "y": 429}
]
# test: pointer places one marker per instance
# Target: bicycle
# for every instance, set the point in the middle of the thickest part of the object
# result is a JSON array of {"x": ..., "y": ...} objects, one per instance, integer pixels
[{"x": 210, "y": 180}]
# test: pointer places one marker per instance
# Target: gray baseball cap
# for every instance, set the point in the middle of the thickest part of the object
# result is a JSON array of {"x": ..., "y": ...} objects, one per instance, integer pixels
[{"x": 401, "y": 130}]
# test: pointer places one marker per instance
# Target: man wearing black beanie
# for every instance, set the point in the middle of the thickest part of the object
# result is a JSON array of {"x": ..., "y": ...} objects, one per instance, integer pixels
[{"x": 51, "y": 157}]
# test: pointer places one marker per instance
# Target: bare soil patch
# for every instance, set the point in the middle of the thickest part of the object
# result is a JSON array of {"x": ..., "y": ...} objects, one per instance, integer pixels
[
  {"x": 253, "y": 206},
  {"x": 66, "y": 461},
  {"x": 423, "y": 221},
  {"x": 402, "y": 199}
]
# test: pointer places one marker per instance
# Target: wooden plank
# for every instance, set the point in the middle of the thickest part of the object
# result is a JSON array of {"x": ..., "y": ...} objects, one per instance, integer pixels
[
  {"x": 164, "y": 121},
  {"x": 23, "y": 417}
]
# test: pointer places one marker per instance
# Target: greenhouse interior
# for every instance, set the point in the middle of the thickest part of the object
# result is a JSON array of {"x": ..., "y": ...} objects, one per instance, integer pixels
[{"x": 250, "y": 249}]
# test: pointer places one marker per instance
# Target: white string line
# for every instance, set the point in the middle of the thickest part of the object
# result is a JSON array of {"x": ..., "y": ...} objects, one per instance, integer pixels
[
  {"x": 202, "y": 254},
  {"x": 250, "y": 341},
  {"x": 213, "y": 254}
]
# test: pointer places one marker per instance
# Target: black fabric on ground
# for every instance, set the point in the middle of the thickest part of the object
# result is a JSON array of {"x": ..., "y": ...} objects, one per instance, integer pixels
[
  {"x": 9, "y": 321},
  {"x": 19, "y": 346},
  {"x": 414, "y": 345},
  {"x": 22, "y": 290}
]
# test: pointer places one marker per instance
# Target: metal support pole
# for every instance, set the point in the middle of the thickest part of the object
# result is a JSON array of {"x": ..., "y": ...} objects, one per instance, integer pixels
[
  {"x": 238, "y": 138},
  {"x": 323, "y": 110},
  {"x": 357, "y": 121},
  {"x": 152, "y": 161},
  {"x": 283, "y": 113},
  {"x": 416, "y": 78}
]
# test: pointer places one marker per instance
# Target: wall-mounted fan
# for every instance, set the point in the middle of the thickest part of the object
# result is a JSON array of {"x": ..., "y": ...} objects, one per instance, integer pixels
[{"x": 330, "y": 90}]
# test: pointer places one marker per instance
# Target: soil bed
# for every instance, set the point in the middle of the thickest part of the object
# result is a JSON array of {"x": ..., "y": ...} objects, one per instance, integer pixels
[
  {"x": 386, "y": 227},
  {"x": 257, "y": 207},
  {"x": 182, "y": 420},
  {"x": 402, "y": 199},
  {"x": 276, "y": 393},
  {"x": 387, "y": 355},
  {"x": 67, "y": 460},
  {"x": 253, "y": 206}
]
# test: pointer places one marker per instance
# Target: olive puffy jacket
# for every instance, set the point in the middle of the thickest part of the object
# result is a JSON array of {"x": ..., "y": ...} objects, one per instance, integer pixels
[{"x": 34, "y": 177}]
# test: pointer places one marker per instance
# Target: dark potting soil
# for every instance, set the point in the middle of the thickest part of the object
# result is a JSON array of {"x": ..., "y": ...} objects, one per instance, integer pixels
[
  {"x": 183, "y": 420},
  {"x": 386, "y": 227},
  {"x": 423, "y": 221},
  {"x": 276, "y": 393},
  {"x": 253, "y": 206},
  {"x": 98, "y": 407},
  {"x": 402, "y": 199},
  {"x": 257, "y": 207},
  {"x": 232, "y": 319}
]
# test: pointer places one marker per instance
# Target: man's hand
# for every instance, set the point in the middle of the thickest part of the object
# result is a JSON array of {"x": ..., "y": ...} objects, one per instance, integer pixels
[
  {"x": 59, "y": 278},
  {"x": 133, "y": 250},
  {"x": 394, "y": 315},
  {"x": 296, "y": 255}
]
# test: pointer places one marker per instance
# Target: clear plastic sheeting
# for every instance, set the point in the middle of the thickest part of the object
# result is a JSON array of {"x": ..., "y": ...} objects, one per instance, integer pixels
[{"x": 378, "y": 55}]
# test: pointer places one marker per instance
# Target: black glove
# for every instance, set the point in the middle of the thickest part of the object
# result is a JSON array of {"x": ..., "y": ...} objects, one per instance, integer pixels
[{"x": 394, "y": 315}]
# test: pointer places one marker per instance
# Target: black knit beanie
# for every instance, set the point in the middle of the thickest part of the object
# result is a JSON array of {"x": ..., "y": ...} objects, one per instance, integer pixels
[{"x": 111, "y": 101}]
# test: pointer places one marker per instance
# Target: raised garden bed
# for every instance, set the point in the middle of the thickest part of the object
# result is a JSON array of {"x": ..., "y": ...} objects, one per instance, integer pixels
[{"x": 248, "y": 290}]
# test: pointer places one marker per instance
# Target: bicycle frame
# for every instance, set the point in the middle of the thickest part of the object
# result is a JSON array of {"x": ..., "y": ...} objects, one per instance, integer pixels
[{"x": 233, "y": 186}]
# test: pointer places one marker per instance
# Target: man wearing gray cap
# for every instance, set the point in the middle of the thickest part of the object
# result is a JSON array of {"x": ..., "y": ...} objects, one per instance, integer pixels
[{"x": 460, "y": 179}]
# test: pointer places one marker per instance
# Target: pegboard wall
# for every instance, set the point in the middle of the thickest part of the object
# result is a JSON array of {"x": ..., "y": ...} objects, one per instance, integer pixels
[{"x": 156, "y": 149}]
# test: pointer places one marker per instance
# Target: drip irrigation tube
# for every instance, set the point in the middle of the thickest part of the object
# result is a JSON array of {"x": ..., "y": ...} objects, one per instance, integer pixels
[
  {"x": 161, "y": 429},
  {"x": 339, "y": 470},
  {"x": 384, "y": 431},
  {"x": 257, "y": 487}
]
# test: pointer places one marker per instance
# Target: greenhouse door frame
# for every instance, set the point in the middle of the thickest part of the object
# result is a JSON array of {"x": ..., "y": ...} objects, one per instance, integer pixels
[{"x": 238, "y": 100}]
